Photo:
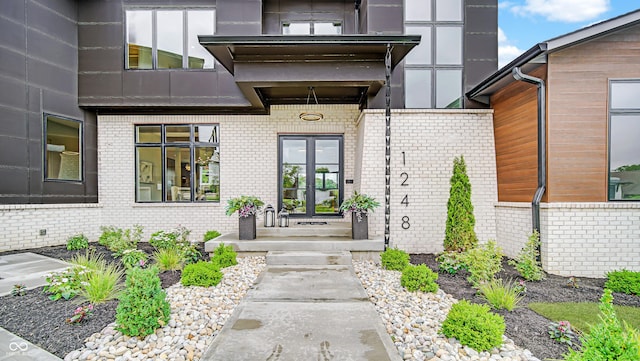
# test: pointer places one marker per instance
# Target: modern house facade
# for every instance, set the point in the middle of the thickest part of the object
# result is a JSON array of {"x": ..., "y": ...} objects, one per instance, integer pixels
[{"x": 143, "y": 112}]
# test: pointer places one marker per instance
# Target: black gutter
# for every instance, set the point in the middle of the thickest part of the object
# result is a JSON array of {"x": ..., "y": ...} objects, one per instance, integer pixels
[{"x": 542, "y": 147}]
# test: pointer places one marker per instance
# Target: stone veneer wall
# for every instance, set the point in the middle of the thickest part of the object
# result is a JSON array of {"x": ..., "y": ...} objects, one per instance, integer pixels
[
  {"x": 430, "y": 139},
  {"x": 590, "y": 239}
]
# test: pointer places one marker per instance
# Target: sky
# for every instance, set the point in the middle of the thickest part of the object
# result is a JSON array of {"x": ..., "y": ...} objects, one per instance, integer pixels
[{"x": 524, "y": 23}]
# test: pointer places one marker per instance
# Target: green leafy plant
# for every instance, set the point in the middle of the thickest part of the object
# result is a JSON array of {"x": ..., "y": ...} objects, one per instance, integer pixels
[
  {"x": 561, "y": 331},
  {"x": 117, "y": 240},
  {"x": 19, "y": 289},
  {"x": 101, "y": 285},
  {"x": 394, "y": 259},
  {"x": 419, "y": 277},
  {"x": 500, "y": 294},
  {"x": 64, "y": 284},
  {"x": 451, "y": 262},
  {"x": 164, "y": 239},
  {"x": 484, "y": 262},
  {"x": 245, "y": 206},
  {"x": 211, "y": 234},
  {"x": 133, "y": 258},
  {"x": 474, "y": 326},
  {"x": 359, "y": 203},
  {"x": 169, "y": 259},
  {"x": 79, "y": 241},
  {"x": 607, "y": 340},
  {"x": 143, "y": 306},
  {"x": 624, "y": 281},
  {"x": 224, "y": 256},
  {"x": 521, "y": 287},
  {"x": 80, "y": 314},
  {"x": 110, "y": 234},
  {"x": 459, "y": 233},
  {"x": 203, "y": 274},
  {"x": 527, "y": 261},
  {"x": 89, "y": 260}
]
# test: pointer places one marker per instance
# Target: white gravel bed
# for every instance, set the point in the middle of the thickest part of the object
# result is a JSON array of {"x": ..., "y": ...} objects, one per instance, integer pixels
[
  {"x": 197, "y": 315},
  {"x": 413, "y": 320}
]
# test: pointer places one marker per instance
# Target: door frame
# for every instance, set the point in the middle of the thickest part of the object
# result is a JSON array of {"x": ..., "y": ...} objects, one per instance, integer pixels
[{"x": 310, "y": 171}]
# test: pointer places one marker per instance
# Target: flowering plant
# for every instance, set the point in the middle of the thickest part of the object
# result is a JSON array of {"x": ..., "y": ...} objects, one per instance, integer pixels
[
  {"x": 80, "y": 314},
  {"x": 561, "y": 332},
  {"x": 19, "y": 289},
  {"x": 245, "y": 206},
  {"x": 65, "y": 284},
  {"x": 359, "y": 203},
  {"x": 521, "y": 287}
]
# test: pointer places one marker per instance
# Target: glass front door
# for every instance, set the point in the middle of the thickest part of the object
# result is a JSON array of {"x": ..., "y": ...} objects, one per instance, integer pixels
[{"x": 310, "y": 175}]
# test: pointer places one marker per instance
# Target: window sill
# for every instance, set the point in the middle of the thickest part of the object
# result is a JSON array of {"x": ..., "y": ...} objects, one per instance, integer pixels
[{"x": 175, "y": 204}]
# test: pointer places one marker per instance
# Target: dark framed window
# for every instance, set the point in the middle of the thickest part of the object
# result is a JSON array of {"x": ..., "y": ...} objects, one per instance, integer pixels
[
  {"x": 177, "y": 163},
  {"x": 168, "y": 39},
  {"x": 62, "y": 148},
  {"x": 312, "y": 28},
  {"x": 624, "y": 148}
]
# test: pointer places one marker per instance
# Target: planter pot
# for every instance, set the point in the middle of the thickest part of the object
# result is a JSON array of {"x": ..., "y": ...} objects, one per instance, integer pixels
[
  {"x": 247, "y": 227},
  {"x": 359, "y": 227}
]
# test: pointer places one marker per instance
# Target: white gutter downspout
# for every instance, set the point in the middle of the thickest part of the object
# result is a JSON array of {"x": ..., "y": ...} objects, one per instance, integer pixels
[{"x": 542, "y": 146}]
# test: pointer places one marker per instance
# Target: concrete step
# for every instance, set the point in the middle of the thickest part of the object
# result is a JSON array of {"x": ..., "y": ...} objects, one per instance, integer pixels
[
  {"x": 290, "y": 258},
  {"x": 331, "y": 229},
  {"x": 327, "y": 244}
]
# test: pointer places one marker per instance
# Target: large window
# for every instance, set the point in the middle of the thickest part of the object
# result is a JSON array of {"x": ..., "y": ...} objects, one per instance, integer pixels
[
  {"x": 624, "y": 148},
  {"x": 168, "y": 39},
  {"x": 62, "y": 148},
  {"x": 312, "y": 27},
  {"x": 178, "y": 163},
  {"x": 433, "y": 69}
]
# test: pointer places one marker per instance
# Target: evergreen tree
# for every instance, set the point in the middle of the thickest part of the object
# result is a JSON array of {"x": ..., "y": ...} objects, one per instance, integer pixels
[{"x": 459, "y": 234}]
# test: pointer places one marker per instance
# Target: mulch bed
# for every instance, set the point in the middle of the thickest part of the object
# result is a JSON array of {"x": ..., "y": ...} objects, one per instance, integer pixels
[
  {"x": 42, "y": 322},
  {"x": 525, "y": 327}
]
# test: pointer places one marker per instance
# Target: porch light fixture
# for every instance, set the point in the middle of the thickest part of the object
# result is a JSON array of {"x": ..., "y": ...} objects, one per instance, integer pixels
[
  {"x": 311, "y": 116},
  {"x": 269, "y": 216},
  {"x": 283, "y": 218}
]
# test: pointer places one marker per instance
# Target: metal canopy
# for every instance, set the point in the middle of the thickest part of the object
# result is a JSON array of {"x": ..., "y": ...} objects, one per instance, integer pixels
[{"x": 279, "y": 69}]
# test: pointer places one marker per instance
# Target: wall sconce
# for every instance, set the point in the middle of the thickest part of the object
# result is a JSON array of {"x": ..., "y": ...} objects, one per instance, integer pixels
[
  {"x": 269, "y": 216},
  {"x": 283, "y": 218},
  {"x": 311, "y": 116}
]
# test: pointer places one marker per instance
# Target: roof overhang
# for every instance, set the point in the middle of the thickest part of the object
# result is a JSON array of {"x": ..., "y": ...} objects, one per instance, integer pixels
[{"x": 280, "y": 69}]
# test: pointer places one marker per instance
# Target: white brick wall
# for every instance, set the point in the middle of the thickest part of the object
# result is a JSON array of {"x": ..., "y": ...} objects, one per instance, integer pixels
[
  {"x": 430, "y": 140},
  {"x": 590, "y": 239},
  {"x": 513, "y": 226}
]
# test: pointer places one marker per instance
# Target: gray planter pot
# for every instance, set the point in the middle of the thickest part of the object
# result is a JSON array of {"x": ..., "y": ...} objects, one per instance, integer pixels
[
  {"x": 359, "y": 228},
  {"x": 247, "y": 227}
]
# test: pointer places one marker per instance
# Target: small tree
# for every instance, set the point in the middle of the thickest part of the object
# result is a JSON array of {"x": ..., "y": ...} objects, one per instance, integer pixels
[{"x": 459, "y": 234}]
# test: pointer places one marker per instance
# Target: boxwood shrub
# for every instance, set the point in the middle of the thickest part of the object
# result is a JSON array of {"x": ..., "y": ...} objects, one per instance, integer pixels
[
  {"x": 624, "y": 281},
  {"x": 203, "y": 274},
  {"x": 224, "y": 256},
  {"x": 474, "y": 326},
  {"x": 420, "y": 277},
  {"x": 394, "y": 259}
]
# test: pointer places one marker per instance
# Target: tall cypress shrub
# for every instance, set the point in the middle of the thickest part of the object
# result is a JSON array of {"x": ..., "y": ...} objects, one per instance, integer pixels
[{"x": 459, "y": 234}]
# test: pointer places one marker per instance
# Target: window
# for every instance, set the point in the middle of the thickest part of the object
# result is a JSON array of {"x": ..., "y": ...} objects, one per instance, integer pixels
[
  {"x": 168, "y": 39},
  {"x": 433, "y": 69},
  {"x": 63, "y": 148},
  {"x": 624, "y": 148},
  {"x": 309, "y": 28},
  {"x": 177, "y": 163}
]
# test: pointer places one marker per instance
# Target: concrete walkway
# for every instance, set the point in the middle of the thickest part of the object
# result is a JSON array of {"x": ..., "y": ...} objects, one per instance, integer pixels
[{"x": 306, "y": 306}]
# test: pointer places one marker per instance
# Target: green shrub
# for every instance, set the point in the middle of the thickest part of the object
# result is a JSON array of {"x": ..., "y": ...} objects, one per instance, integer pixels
[
  {"x": 143, "y": 307},
  {"x": 500, "y": 294},
  {"x": 224, "y": 256},
  {"x": 101, "y": 285},
  {"x": 169, "y": 239},
  {"x": 169, "y": 259},
  {"x": 624, "y": 281},
  {"x": 203, "y": 274},
  {"x": 394, "y": 259},
  {"x": 527, "y": 261},
  {"x": 459, "y": 233},
  {"x": 133, "y": 258},
  {"x": 474, "y": 326},
  {"x": 607, "y": 340},
  {"x": 117, "y": 240},
  {"x": 189, "y": 251},
  {"x": 79, "y": 241},
  {"x": 484, "y": 262},
  {"x": 64, "y": 284},
  {"x": 209, "y": 235},
  {"x": 451, "y": 262},
  {"x": 109, "y": 235},
  {"x": 420, "y": 277}
]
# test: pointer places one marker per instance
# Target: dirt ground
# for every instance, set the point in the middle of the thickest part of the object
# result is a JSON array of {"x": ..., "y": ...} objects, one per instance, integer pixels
[{"x": 525, "y": 327}]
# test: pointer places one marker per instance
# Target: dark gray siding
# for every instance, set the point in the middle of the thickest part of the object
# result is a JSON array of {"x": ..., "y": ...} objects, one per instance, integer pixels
[
  {"x": 480, "y": 43},
  {"x": 38, "y": 74}
]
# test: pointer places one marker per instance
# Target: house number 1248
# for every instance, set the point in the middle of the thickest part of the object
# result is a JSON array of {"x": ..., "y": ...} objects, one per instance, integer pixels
[{"x": 404, "y": 182}]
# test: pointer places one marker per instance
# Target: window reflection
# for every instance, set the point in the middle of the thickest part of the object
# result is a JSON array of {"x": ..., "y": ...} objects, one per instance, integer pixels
[
  {"x": 63, "y": 148},
  {"x": 417, "y": 93},
  {"x": 448, "y": 10},
  {"x": 139, "y": 40},
  {"x": 417, "y": 10},
  {"x": 421, "y": 54},
  {"x": 449, "y": 45},
  {"x": 449, "y": 88},
  {"x": 200, "y": 23}
]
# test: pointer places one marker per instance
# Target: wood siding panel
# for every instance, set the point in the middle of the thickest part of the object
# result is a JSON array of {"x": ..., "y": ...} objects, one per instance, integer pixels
[
  {"x": 578, "y": 87},
  {"x": 516, "y": 139}
]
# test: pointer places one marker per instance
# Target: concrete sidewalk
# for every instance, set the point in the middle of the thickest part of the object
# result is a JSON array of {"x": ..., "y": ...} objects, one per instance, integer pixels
[{"x": 305, "y": 312}]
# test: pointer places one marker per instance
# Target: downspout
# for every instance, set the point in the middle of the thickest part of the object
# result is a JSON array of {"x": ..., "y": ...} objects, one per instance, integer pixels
[
  {"x": 357, "y": 16},
  {"x": 542, "y": 147}
]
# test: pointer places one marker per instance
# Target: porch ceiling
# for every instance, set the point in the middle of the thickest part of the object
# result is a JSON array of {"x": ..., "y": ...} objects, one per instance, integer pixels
[{"x": 279, "y": 69}]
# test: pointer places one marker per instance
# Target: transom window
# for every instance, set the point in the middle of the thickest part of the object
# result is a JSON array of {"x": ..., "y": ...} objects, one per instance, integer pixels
[
  {"x": 177, "y": 163},
  {"x": 62, "y": 148},
  {"x": 168, "y": 39},
  {"x": 312, "y": 28},
  {"x": 624, "y": 148}
]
